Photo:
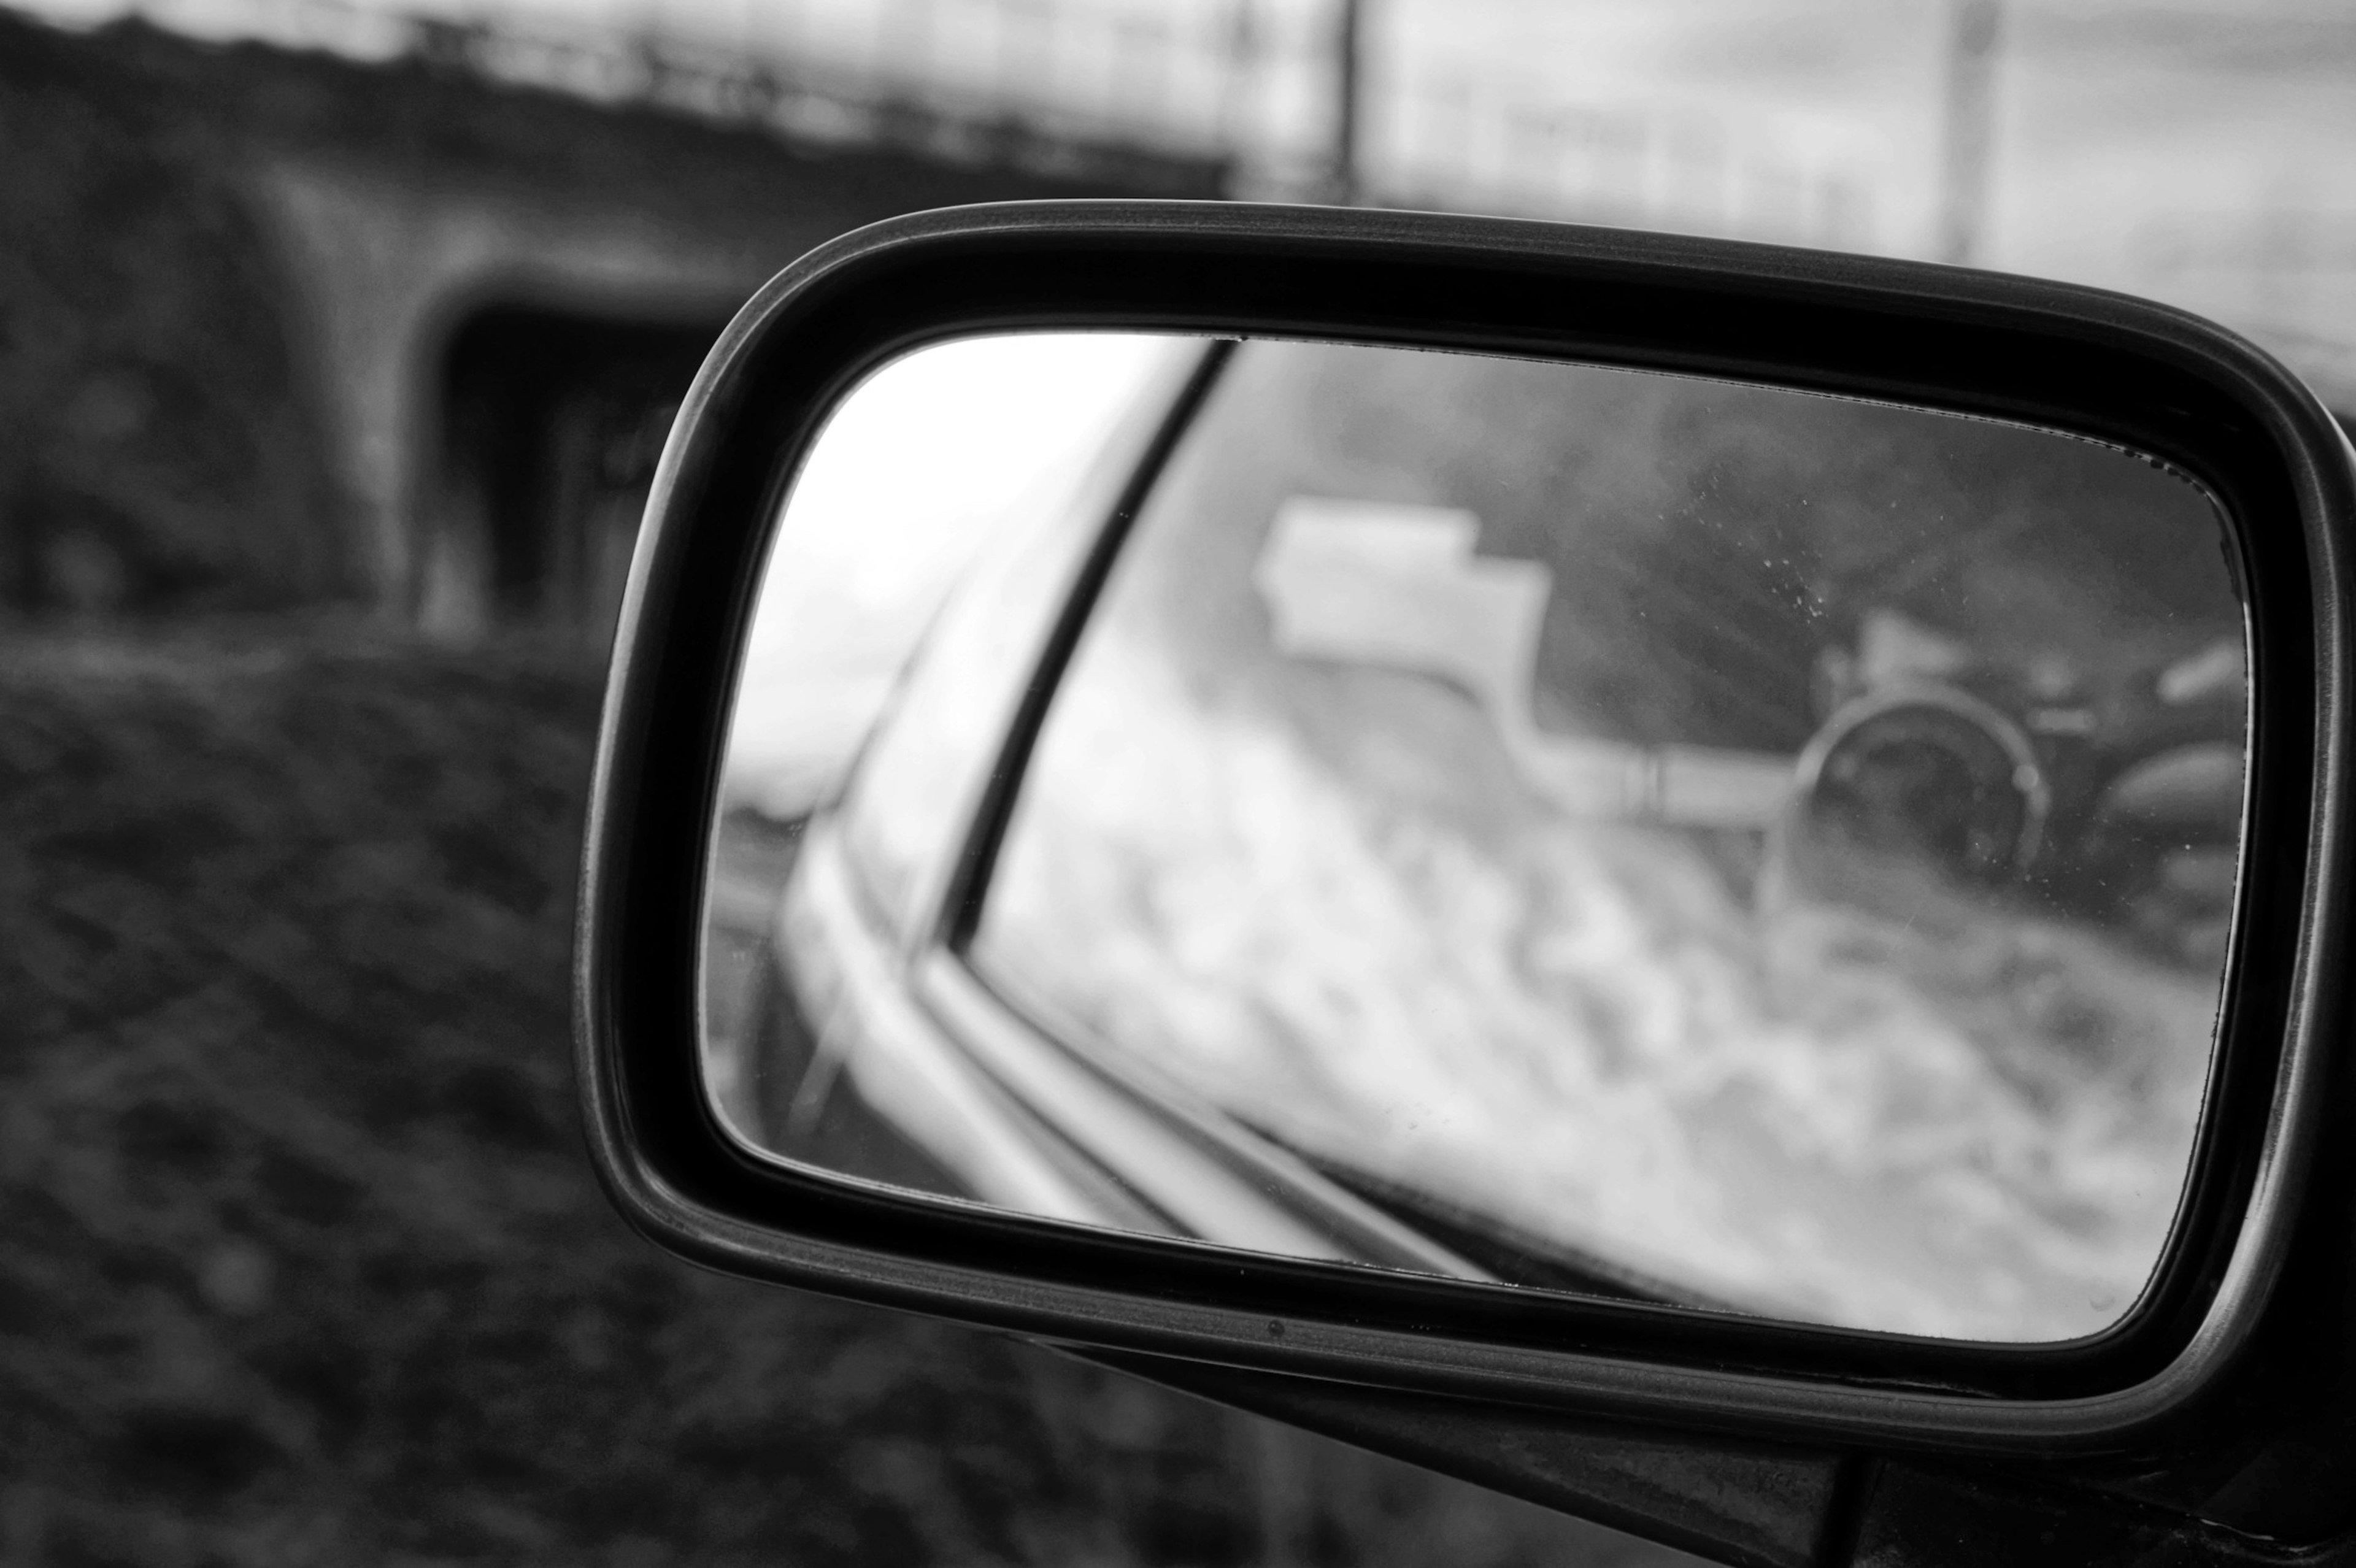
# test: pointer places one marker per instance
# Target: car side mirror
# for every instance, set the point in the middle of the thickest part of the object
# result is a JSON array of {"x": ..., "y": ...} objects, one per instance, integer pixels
[{"x": 1691, "y": 879}]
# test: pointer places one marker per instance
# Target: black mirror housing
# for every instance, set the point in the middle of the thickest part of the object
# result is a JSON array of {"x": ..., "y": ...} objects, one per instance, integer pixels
[{"x": 1767, "y": 1441}]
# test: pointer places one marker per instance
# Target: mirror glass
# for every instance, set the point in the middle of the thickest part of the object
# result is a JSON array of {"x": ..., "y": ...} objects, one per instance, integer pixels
[{"x": 1540, "y": 823}]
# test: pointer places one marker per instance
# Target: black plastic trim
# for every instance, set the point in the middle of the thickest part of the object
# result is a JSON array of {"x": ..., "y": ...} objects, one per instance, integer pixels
[
  {"x": 961, "y": 908},
  {"x": 2105, "y": 365}
]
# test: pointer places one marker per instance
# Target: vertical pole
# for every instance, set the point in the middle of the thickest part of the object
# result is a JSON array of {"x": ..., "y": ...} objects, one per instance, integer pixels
[
  {"x": 1349, "y": 75},
  {"x": 904, "y": 47},
  {"x": 1242, "y": 48},
  {"x": 1972, "y": 25}
]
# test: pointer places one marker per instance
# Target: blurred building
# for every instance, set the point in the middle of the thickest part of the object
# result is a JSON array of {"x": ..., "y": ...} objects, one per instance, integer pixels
[
  {"x": 416, "y": 282},
  {"x": 403, "y": 318}
]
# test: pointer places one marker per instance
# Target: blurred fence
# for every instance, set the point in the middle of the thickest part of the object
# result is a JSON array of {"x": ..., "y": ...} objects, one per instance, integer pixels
[{"x": 1451, "y": 139}]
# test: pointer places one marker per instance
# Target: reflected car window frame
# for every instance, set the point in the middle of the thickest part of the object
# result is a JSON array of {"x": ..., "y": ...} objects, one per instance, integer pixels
[{"x": 989, "y": 1083}]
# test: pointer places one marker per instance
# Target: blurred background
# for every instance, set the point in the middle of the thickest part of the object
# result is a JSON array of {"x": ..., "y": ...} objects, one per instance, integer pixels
[{"x": 337, "y": 344}]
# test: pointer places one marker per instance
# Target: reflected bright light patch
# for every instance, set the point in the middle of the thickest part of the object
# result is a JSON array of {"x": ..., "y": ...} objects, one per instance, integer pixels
[{"x": 918, "y": 466}]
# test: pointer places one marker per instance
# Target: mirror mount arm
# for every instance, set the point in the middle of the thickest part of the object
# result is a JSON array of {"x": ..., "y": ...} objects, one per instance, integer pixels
[{"x": 1759, "y": 1506}]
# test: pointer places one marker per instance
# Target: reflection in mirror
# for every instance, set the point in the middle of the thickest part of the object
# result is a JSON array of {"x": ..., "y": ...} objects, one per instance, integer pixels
[{"x": 1579, "y": 829}]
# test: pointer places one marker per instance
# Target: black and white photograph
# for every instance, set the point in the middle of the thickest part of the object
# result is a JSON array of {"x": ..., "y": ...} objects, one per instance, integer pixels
[{"x": 1177, "y": 784}]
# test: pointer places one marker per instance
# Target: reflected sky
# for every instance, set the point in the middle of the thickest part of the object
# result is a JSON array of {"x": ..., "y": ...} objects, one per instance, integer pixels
[{"x": 911, "y": 474}]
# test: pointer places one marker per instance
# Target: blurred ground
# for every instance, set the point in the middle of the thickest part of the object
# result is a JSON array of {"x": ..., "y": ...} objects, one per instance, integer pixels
[{"x": 305, "y": 1263}]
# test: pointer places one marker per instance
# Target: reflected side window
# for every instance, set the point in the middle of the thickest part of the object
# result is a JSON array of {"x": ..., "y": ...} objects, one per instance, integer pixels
[{"x": 1776, "y": 848}]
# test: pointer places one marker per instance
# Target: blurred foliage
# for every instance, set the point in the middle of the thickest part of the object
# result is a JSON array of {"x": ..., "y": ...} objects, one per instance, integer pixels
[
  {"x": 159, "y": 455},
  {"x": 306, "y": 1263}
]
